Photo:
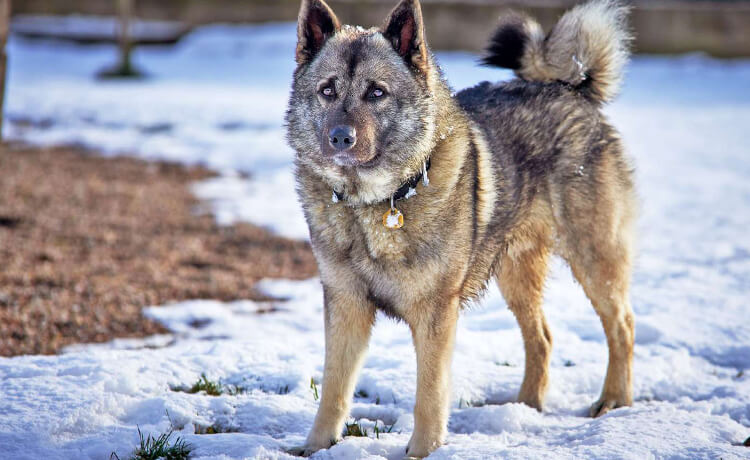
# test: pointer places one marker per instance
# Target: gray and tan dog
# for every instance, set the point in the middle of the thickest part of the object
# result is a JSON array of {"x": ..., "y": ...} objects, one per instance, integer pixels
[{"x": 415, "y": 198}]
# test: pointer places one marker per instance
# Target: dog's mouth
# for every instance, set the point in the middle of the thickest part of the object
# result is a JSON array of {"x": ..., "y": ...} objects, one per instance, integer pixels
[
  {"x": 345, "y": 160},
  {"x": 353, "y": 160}
]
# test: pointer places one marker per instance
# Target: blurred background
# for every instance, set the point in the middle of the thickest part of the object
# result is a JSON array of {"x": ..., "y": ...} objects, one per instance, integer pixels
[
  {"x": 150, "y": 235},
  {"x": 718, "y": 27},
  {"x": 145, "y": 158}
]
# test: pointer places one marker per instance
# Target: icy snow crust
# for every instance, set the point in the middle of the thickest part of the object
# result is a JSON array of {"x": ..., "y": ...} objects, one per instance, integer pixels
[{"x": 219, "y": 99}]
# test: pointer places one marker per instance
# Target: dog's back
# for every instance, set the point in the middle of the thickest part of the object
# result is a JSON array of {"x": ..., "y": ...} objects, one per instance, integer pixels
[{"x": 564, "y": 78}]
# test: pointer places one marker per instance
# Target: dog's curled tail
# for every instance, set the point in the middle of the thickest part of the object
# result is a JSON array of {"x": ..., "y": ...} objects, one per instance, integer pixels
[{"x": 587, "y": 48}]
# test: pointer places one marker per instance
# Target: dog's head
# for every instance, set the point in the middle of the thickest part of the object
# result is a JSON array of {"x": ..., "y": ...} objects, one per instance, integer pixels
[{"x": 362, "y": 109}]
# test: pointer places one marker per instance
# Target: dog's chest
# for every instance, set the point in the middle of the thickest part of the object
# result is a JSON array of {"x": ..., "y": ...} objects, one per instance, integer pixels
[
  {"x": 394, "y": 264},
  {"x": 364, "y": 233},
  {"x": 381, "y": 241}
]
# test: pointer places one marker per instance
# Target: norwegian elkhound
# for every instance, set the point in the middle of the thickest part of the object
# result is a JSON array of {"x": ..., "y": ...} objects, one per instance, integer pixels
[{"x": 416, "y": 198}]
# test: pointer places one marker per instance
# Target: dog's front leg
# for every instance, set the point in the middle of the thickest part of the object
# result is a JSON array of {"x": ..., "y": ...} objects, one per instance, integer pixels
[
  {"x": 434, "y": 333},
  {"x": 348, "y": 322}
]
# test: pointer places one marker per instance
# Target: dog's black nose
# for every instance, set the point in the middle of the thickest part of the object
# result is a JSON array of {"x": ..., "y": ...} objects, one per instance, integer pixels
[{"x": 342, "y": 137}]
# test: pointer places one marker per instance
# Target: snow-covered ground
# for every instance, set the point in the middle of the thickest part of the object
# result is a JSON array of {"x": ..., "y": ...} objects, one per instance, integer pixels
[{"x": 218, "y": 99}]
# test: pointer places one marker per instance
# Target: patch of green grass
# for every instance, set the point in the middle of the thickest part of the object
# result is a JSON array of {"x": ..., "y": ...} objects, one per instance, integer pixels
[
  {"x": 215, "y": 429},
  {"x": 355, "y": 429},
  {"x": 314, "y": 389},
  {"x": 210, "y": 387},
  {"x": 384, "y": 429},
  {"x": 569, "y": 363},
  {"x": 153, "y": 448}
]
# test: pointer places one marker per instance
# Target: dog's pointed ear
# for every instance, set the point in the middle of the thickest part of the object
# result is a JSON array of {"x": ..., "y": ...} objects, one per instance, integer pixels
[
  {"x": 316, "y": 24},
  {"x": 405, "y": 30}
]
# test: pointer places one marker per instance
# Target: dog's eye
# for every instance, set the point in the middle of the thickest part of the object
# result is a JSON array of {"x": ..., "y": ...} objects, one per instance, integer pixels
[
  {"x": 328, "y": 91},
  {"x": 376, "y": 93}
]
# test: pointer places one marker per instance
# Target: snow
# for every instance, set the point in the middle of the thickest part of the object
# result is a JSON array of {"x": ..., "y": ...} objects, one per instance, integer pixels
[{"x": 218, "y": 99}]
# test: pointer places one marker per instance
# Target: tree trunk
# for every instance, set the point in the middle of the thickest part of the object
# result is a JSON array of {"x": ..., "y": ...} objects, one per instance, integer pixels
[
  {"x": 4, "y": 29},
  {"x": 125, "y": 11},
  {"x": 124, "y": 67}
]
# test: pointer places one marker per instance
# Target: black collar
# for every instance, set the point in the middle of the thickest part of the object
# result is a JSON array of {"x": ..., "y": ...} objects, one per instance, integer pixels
[{"x": 402, "y": 191}]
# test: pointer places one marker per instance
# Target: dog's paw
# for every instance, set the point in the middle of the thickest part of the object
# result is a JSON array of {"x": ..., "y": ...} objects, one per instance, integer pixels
[
  {"x": 307, "y": 450},
  {"x": 531, "y": 399},
  {"x": 416, "y": 454},
  {"x": 412, "y": 456},
  {"x": 413, "y": 453},
  {"x": 300, "y": 451},
  {"x": 604, "y": 405},
  {"x": 316, "y": 440},
  {"x": 420, "y": 447}
]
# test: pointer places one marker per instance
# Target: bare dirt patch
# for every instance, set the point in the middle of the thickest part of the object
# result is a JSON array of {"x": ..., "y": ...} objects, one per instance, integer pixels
[{"x": 87, "y": 241}]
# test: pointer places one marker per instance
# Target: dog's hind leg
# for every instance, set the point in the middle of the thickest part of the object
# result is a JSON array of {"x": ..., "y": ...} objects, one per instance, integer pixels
[
  {"x": 604, "y": 274},
  {"x": 598, "y": 234},
  {"x": 521, "y": 276}
]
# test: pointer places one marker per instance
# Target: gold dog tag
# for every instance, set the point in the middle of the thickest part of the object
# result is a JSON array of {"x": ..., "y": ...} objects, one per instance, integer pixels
[{"x": 393, "y": 219}]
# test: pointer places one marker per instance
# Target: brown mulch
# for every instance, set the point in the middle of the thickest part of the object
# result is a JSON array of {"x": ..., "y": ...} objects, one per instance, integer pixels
[{"x": 86, "y": 241}]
